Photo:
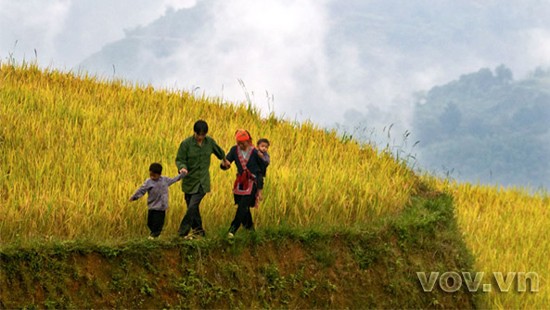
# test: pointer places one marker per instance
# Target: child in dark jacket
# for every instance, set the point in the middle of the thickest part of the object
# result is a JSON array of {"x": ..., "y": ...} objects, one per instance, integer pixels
[{"x": 157, "y": 188}]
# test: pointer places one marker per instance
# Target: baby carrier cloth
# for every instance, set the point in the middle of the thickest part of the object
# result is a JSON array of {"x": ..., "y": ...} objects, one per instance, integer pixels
[{"x": 245, "y": 180}]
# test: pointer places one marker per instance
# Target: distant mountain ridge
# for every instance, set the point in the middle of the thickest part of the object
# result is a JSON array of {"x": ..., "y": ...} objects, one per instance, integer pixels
[{"x": 488, "y": 127}]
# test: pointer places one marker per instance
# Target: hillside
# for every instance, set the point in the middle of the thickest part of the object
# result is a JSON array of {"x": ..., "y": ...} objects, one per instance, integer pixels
[
  {"x": 74, "y": 150},
  {"x": 359, "y": 223},
  {"x": 372, "y": 268},
  {"x": 506, "y": 231}
]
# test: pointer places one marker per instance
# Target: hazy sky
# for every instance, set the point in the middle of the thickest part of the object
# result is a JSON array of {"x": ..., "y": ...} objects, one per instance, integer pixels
[
  {"x": 317, "y": 64},
  {"x": 64, "y": 32}
]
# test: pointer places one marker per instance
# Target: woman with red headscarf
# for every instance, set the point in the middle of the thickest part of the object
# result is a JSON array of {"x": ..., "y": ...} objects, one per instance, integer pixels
[{"x": 249, "y": 182}]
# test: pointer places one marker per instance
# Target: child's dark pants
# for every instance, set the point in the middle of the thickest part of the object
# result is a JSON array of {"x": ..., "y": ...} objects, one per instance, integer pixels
[{"x": 155, "y": 221}]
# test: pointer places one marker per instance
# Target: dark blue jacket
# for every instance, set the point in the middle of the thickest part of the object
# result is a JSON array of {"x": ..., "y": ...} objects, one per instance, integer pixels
[{"x": 255, "y": 164}]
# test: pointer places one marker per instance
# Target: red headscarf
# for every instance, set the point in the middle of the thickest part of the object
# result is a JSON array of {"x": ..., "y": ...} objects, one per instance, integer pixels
[{"x": 242, "y": 135}]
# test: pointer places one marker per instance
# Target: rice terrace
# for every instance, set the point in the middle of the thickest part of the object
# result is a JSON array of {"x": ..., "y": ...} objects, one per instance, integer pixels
[
  {"x": 122, "y": 194},
  {"x": 70, "y": 148}
]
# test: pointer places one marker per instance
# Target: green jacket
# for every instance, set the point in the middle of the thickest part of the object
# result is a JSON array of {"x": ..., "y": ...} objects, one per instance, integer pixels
[{"x": 196, "y": 159}]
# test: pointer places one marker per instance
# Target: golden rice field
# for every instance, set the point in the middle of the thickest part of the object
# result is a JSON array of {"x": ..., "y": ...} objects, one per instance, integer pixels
[
  {"x": 73, "y": 150},
  {"x": 507, "y": 230}
]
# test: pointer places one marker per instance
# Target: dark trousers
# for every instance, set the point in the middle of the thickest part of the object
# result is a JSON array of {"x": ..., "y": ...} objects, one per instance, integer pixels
[
  {"x": 155, "y": 221},
  {"x": 192, "y": 218},
  {"x": 243, "y": 216}
]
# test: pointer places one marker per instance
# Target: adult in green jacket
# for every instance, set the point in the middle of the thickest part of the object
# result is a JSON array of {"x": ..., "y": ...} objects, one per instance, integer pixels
[{"x": 193, "y": 159}]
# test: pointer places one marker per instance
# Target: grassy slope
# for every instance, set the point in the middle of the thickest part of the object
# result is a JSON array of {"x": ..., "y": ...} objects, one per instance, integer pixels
[
  {"x": 375, "y": 267},
  {"x": 74, "y": 150},
  {"x": 506, "y": 230}
]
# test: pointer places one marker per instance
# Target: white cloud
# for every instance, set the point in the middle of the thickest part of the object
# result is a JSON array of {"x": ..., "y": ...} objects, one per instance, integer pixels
[
  {"x": 33, "y": 24},
  {"x": 64, "y": 32},
  {"x": 178, "y": 4},
  {"x": 273, "y": 46},
  {"x": 538, "y": 47}
]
